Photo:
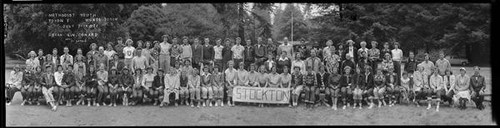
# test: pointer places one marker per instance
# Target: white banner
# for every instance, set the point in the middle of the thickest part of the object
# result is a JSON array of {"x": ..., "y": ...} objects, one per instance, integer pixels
[{"x": 261, "y": 95}]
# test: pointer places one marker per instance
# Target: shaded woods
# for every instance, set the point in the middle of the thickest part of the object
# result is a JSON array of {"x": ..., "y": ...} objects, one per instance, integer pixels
[{"x": 459, "y": 29}]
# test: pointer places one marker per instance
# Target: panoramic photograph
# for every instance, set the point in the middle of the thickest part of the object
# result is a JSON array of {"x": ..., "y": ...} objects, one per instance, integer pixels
[{"x": 247, "y": 64}]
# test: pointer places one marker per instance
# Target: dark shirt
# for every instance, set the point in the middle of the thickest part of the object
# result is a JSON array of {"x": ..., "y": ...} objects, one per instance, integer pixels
[
  {"x": 348, "y": 63},
  {"x": 208, "y": 52},
  {"x": 183, "y": 81},
  {"x": 227, "y": 54},
  {"x": 260, "y": 51},
  {"x": 49, "y": 79},
  {"x": 310, "y": 80},
  {"x": 346, "y": 79},
  {"x": 477, "y": 82},
  {"x": 249, "y": 53},
  {"x": 334, "y": 80},
  {"x": 69, "y": 79},
  {"x": 322, "y": 79},
  {"x": 411, "y": 65},
  {"x": 90, "y": 80},
  {"x": 297, "y": 79},
  {"x": 114, "y": 79},
  {"x": 368, "y": 80},
  {"x": 159, "y": 81},
  {"x": 197, "y": 53},
  {"x": 126, "y": 80}
]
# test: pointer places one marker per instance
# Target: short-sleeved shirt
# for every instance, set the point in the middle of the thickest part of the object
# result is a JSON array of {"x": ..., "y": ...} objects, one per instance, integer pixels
[
  {"x": 165, "y": 48},
  {"x": 237, "y": 51},
  {"x": 109, "y": 53},
  {"x": 129, "y": 52},
  {"x": 218, "y": 52},
  {"x": 187, "y": 52},
  {"x": 397, "y": 54}
]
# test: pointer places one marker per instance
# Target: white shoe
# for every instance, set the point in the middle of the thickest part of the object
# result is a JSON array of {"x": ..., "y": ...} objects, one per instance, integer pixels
[
  {"x": 204, "y": 105},
  {"x": 210, "y": 104},
  {"x": 429, "y": 107},
  {"x": 114, "y": 104},
  {"x": 222, "y": 104},
  {"x": 54, "y": 108},
  {"x": 24, "y": 102},
  {"x": 192, "y": 106},
  {"x": 354, "y": 107},
  {"x": 97, "y": 104},
  {"x": 437, "y": 108},
  {"x": 215, "y": 104},
  {"x": 344, "y": 107},
  {"x": 360, "y": 107}
]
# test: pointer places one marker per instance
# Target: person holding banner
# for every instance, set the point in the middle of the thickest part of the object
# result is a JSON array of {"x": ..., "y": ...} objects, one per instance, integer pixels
[
  {"x": 253, "y": 76},
  {"x": 346, "y": 83},
  {"x": 263, "y": 76},
  {"x": 286, "y": 80},
  {"x": 274, "y": 79},
  {"x": 207, "y": 93},
  {"x": 231, "y": 79},
  {"x": 242, "y": 79},
  {"x": 217, "y": 79},
  {"x": 310, "y": 86},
  {"x": 297, "y": 85}
]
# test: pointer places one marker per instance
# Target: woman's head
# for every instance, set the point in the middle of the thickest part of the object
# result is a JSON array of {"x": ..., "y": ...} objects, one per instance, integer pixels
[{"x": 285, "y": 69}]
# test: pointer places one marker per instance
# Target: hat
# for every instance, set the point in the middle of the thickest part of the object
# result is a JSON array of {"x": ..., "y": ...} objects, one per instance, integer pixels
[
  {"x": 113, "y": 68},
  {"x": 160, "y": 69},
  {"x": 31, "y": 53},
  {"x": 462, "y": 68},
  {"x": 125, "y": 68},
  {"x": 147, "y": 68},
  {"x": 347, "y": 67}
]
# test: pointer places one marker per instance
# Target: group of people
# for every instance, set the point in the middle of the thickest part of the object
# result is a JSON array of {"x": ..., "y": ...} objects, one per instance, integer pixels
[{"x": 195, "y": 73}]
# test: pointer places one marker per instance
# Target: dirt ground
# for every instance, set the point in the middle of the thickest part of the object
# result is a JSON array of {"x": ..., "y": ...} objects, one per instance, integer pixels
[{"x": 32, "y": 115}]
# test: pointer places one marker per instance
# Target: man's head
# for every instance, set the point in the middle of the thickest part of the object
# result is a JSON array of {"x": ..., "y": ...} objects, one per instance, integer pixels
[
  {"x": 238, "y": 40},
  {"x": 66, "y": 50},
  {"x": 363, "y": 44},
  {"x": 476, "y": 70},
  {"x": 119, "y": 40},
  {"x": 249, "y": 42}
]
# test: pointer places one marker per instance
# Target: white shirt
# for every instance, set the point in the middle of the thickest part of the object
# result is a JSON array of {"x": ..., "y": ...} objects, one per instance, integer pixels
[
  {"x": 218, "y": 52},
  {"x": 165, "y": 47},
  {"x": 351, "y": 51},
  {"x": 110, "y": 53},
  {"x": 237, "y": 51},
  {"x": 129, "y": 52},
  {"x": 58, "y": 76},
  {"x": 397, "y": 54},
  {"x": 66, "y": 58}
]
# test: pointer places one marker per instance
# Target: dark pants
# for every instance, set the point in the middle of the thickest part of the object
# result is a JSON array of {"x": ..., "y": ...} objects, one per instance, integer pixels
[
  {"x": 478, "y": 100},
  {"x": 397, "y": 69},
  {"x": 10, "y": 93},
  {"x": 237, "y": 63},
  {"x": 310, "y": 96},
  {"x": 247, "y": 64},
  {"x": 103, "y": 92}
]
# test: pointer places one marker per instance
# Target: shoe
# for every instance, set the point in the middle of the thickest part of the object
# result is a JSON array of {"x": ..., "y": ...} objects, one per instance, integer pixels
[
  {"x": 429, "y": 107},
  {"x": 103, "y": 103},
  {"x": 155, "y": 103},
  {"x": 215, "y": 104},
  {"x": 344, "y": 107},
  {"x": 176, "y": 104},
  {"x": 110, "y": 104},
  {"x": 38, "y": 103},
  {"x": 24, "y": 102},
  {"x": 222, "y": 104},
  {"x": 192, "y": 106},
  {"x": 114, "y": 104},
  {"x": 97, "y": 104},
  {"x": 78, "y": 102},
  {"x": 379, "y": 105},
  {"x": 437, "y": 109},
  {"x": 204, "y": 105},
  {"x": 88, "y": 104},
  {"x": 55, "y": 108},
  {"x": 29, "y": 102},
  {"x": 289, "y": 105},
  {"x": 161, "y": 104},
  {"x": 348, "y": 105},
  {"x": 371, "y": 106},
  {"x": 354, "y": 107},
  {"x": 69, "y": 104}
]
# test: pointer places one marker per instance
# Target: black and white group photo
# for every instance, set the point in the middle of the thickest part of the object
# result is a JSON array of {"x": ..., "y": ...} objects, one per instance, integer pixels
[{"x": 247, "y": 64}]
